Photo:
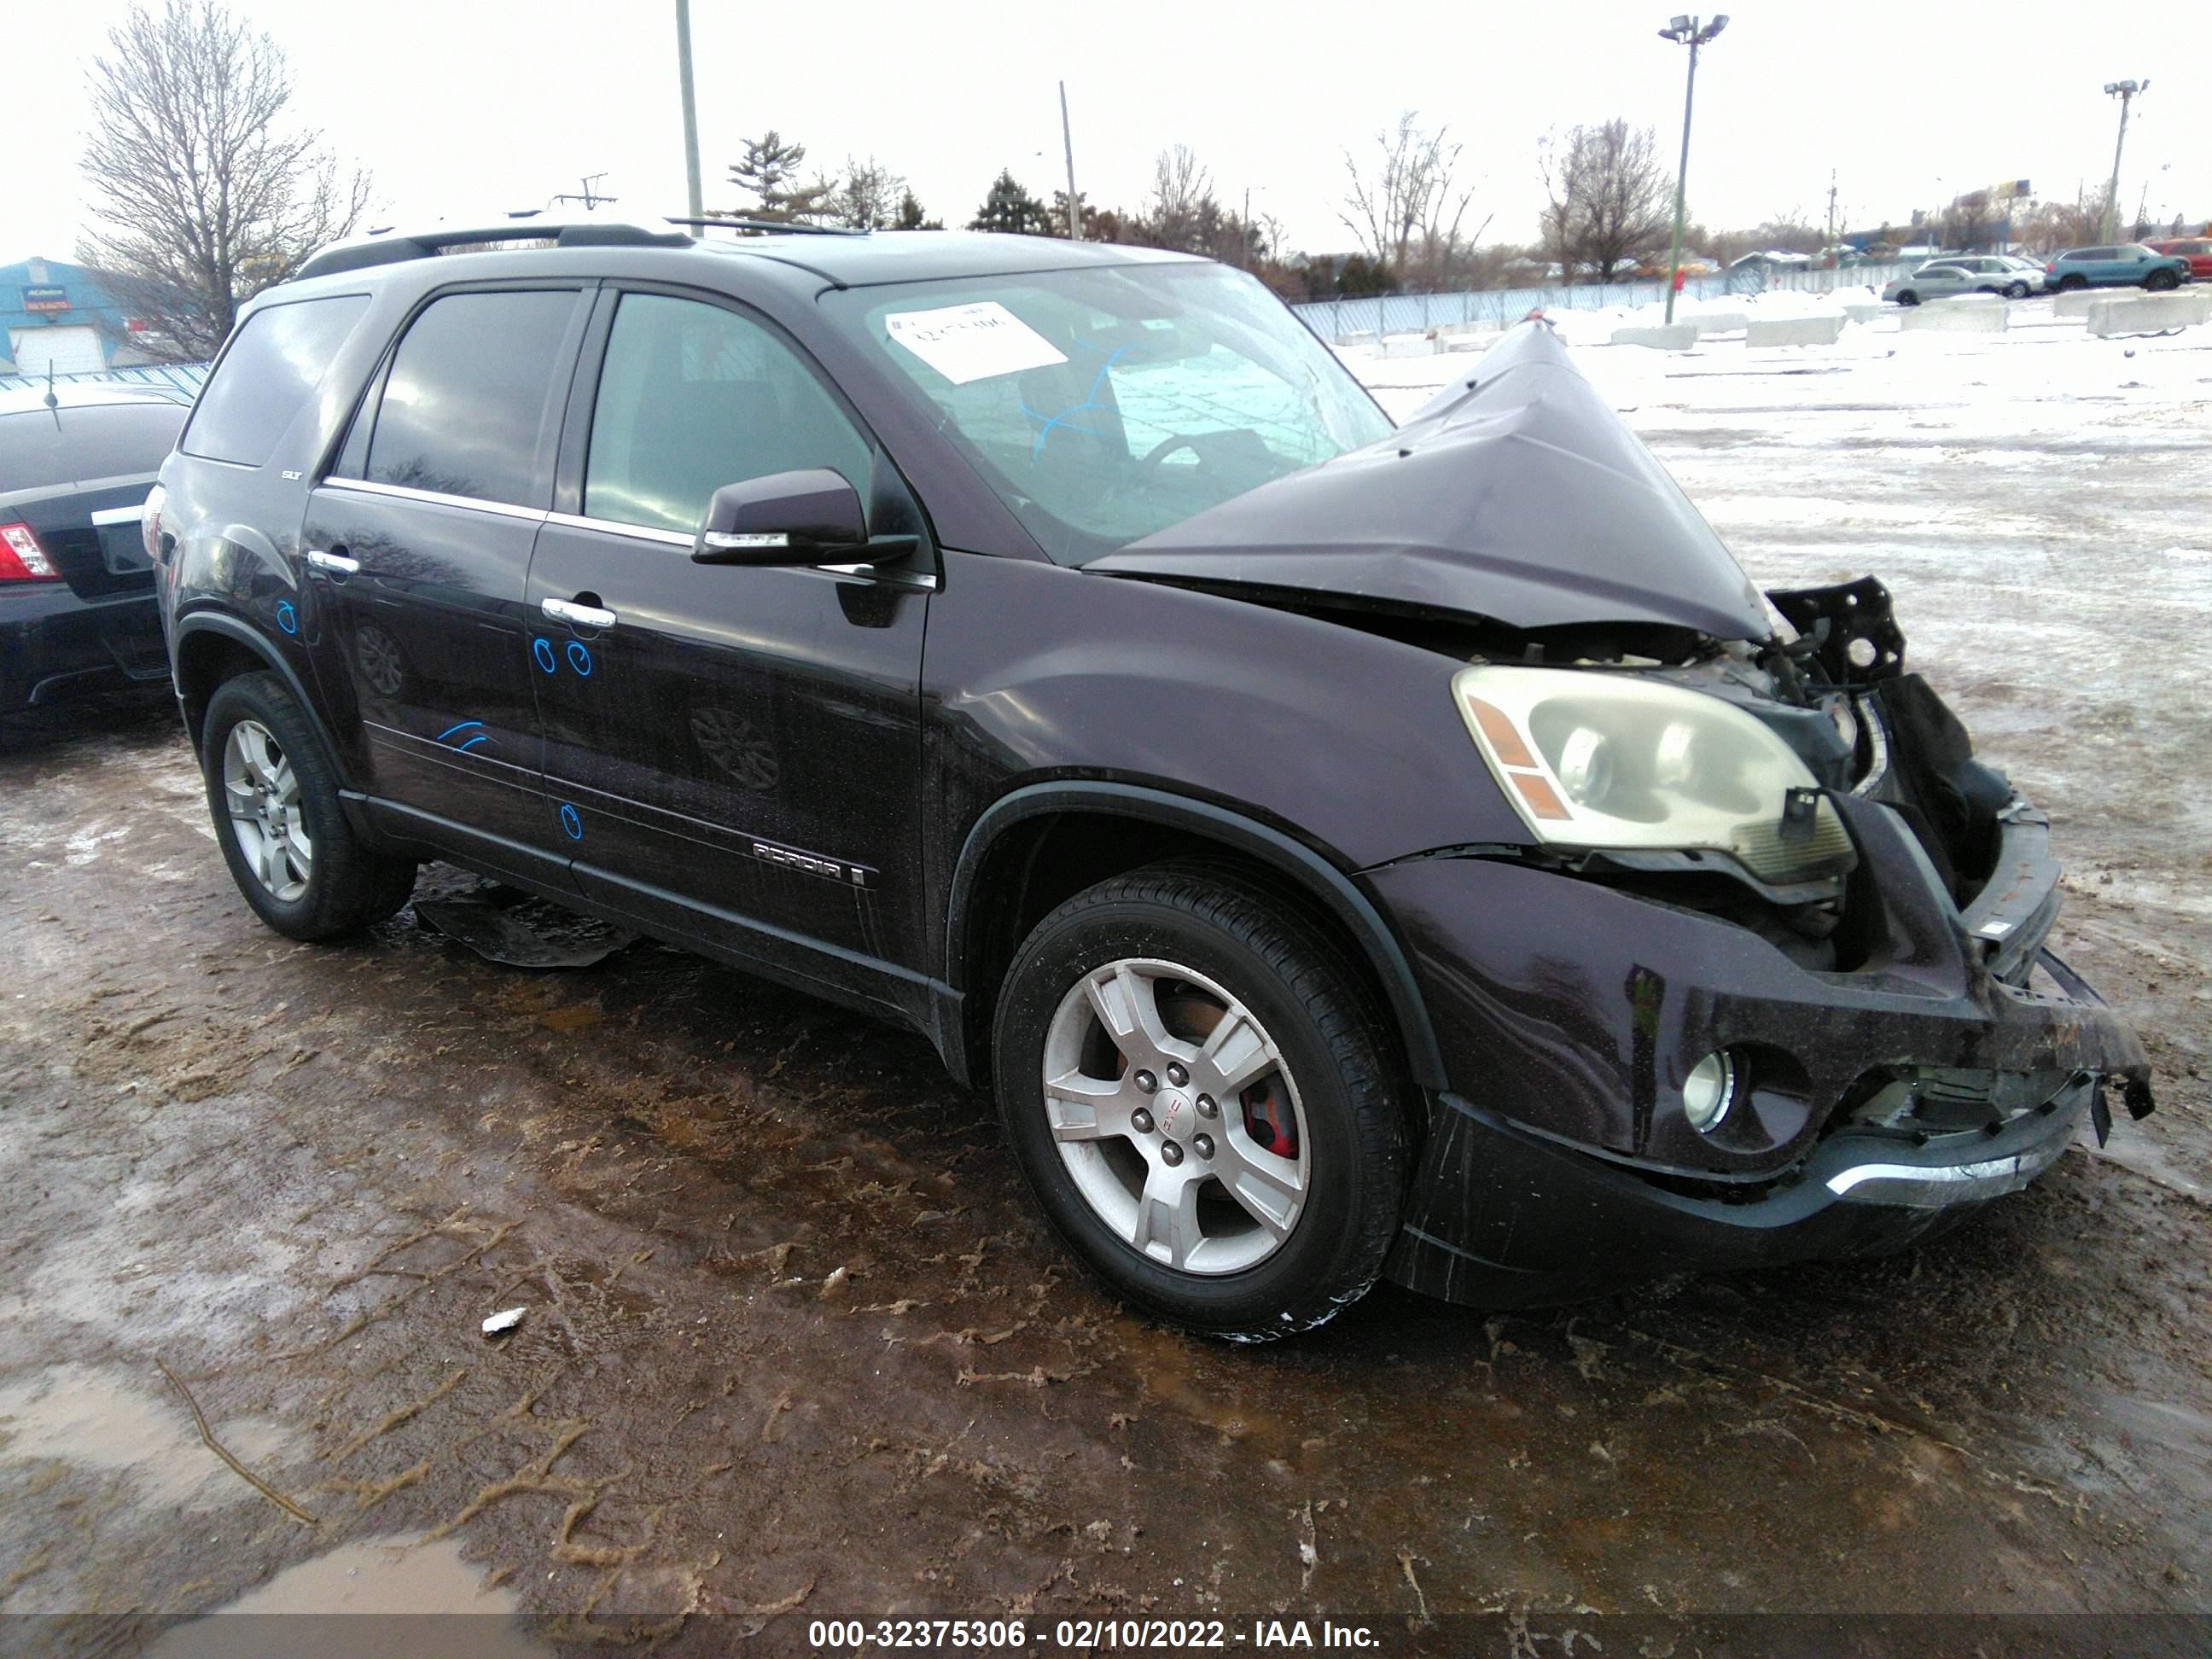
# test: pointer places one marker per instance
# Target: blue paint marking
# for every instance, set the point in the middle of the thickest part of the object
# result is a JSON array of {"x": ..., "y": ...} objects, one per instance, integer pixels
[
  {"x": 287, "y": 618},
  {"x": 580, "y": 660},
  {"x": 571, "y": 822},
  {"x": 472, "y": 742},
  {"x": 1090, "y": 401},
  {"x": 462, "y": 726},
  {"x": 543, "y": 650}
]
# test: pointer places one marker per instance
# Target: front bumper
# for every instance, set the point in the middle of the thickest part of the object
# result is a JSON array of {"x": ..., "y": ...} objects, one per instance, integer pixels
[{"x": 1569, "y": 1013}]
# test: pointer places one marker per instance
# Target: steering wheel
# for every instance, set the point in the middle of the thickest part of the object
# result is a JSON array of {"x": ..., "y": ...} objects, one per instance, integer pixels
[{"x": 1167, "y": 446}]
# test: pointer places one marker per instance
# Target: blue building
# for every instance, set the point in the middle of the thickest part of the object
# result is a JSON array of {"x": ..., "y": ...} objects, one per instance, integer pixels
[{"x": 64, "y": 317}]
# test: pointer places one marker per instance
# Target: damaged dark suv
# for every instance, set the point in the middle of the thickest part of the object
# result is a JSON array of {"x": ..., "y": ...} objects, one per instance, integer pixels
[{"x": 1343, "y": 852}]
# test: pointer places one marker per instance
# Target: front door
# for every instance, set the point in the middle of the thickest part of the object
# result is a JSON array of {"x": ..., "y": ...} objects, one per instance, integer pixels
[
  {"x": 733, "y": 752},
  {"x": 418, "y": 544}
]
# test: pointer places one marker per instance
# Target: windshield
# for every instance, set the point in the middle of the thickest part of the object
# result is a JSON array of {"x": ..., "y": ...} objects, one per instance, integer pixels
[{"x": 1104, "y": 404}]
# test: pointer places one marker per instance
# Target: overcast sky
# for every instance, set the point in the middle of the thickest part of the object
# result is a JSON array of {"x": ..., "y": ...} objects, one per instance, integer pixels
[{"x": 460, "y": 106}]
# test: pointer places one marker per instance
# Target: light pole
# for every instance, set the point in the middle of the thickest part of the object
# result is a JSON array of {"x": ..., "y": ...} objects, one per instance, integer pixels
[
  {"x": 692, "y": 198},
  {"x": 1687, "y": 32},
  {"x": 2126, "y": 92}
]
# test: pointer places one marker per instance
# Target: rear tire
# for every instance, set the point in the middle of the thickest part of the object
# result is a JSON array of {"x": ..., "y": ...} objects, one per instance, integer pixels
[
  {"x": 1192, "y": 1207},
  {"x": 273, "y": 793},
  {"x": 1908, "y": 298},
  {"x": 2072, "y": 283}
]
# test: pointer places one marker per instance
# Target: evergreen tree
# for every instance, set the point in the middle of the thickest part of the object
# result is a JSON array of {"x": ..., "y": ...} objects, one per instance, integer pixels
[
  {"x": 769, "y": 170},
  {"x": 910, "y": 215},
  {"x": 1012, "y": 211}
]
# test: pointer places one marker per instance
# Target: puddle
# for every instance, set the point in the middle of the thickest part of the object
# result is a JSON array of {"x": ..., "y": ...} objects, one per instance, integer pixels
[
  {"x": 421, "y": 1588},
  {"x": 74, "y": 1414}
]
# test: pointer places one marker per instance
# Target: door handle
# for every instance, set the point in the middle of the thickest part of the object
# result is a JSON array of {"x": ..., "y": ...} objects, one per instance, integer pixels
[
  {"x": 578, "y": 615},
  {"x": 336, "y": 563}
]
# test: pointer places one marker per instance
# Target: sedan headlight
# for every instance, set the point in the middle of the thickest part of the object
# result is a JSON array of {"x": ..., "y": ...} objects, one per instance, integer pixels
[{"x": 1612, "y": 761}]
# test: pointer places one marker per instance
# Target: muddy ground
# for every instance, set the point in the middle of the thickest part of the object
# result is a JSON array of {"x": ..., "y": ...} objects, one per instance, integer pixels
[{"x": 796, "y": 1346}]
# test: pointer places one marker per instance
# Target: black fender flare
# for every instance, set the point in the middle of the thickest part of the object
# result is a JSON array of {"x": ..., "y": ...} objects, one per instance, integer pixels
[
  {"x": 243, "y": 633},
  {"x": 1315, "y": 876}
]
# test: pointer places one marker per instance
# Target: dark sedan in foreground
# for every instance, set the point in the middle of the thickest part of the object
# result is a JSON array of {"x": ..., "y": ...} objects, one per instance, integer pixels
[
  {"x": 77, "y": 585},
  {"x": 1343, "y": 851}
]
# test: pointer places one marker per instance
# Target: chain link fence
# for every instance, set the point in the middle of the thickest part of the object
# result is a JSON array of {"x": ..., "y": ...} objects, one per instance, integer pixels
[
  {"x": 1335, "y": 320},
  {"x": 178, "y": 377}
]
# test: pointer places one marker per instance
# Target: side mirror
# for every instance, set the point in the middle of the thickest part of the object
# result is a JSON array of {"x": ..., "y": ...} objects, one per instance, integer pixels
[{"x": 808, "y": 517}]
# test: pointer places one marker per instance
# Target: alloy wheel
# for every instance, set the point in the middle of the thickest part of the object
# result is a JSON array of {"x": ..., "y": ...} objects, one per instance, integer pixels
[
  {"x": 262, "y": 793},
  {"x": 1177, "y": 1116}
]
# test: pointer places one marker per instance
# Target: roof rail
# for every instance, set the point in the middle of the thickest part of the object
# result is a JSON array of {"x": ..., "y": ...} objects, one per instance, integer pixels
[
  {"x": 773, "y": 227},
  {"x": 386, "y": 248}
]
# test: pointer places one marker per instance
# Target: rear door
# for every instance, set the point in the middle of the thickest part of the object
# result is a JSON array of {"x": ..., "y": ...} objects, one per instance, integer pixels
[
  {"x": 418, "y": 545},
  {"x": 735, "y": 752}
]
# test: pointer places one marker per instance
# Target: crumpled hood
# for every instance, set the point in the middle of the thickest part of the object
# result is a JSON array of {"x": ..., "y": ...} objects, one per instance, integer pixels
[{"x": 1516, "y": 494}]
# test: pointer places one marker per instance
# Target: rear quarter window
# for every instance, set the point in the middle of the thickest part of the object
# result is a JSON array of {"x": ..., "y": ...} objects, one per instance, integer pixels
[{"x": 270, "y": 368}]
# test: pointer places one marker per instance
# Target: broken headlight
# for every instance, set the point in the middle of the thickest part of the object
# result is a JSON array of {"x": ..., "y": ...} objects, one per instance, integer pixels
[{"x": 1610, "y": 762}]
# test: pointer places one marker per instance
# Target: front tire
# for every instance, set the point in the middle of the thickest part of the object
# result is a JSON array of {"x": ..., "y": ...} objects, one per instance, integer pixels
[
  {"x": 274, "y": 795},
  {"x": 2017, "y": 291},
  {"x": 1201, "y": 1093},
  {"x": 2159, "y": 281}
]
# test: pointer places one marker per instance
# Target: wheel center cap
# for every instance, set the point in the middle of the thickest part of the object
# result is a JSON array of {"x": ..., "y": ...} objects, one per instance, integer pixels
[{"x": 1178, "y": 1114}]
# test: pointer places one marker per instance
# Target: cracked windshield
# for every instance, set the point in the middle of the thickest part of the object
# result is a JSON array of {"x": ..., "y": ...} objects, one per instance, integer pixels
[{"x": 1105, "y": 404}]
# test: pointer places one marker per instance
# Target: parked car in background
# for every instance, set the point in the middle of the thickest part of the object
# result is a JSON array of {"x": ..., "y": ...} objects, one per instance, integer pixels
[
  {"x": 2197, "y": 250},
  {"x": 2125, "y": 265},
  {"x": 76, "y": 584},
  {"x": 1940, "y": 279},
  {"x": 1343, "y": 850}
]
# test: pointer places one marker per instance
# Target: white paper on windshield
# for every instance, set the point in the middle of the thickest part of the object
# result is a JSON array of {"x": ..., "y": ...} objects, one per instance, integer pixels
[{"x": 972, "y": 342}]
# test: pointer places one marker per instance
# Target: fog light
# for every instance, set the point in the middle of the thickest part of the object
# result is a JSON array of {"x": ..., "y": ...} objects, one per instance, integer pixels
[{"x": 1709, "y": 1090}]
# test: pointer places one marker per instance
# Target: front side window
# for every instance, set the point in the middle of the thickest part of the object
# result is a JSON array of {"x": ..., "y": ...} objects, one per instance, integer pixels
[
  {"x": 692, "y": 398},
  {"x": 1106, "y": 403},
  {"x": 468, "y": 409},
  {"x": 273, "y": 365}
]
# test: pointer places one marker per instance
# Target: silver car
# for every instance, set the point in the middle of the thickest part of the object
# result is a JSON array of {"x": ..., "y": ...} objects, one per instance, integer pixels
[{"x": 1967, "y": 273}]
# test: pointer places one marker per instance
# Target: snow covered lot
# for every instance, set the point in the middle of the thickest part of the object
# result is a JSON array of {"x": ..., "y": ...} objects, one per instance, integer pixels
[{"x": 2040, "y": 503}]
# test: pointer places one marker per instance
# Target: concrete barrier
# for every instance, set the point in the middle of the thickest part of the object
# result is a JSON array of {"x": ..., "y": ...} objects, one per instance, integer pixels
[
  {"x": 1864, "y": 313},
  {"x": 1408, "y": 345},
  {"x": 1717, "y": 322},
  {"x": 1794, "y": 331},
  {"x": 1471, "y": 342},
  {"x": 1357, "y": 337},
  {"x": 1949, "y": 315},
  {"x": 2149, "y": 314},
  {"x": 2075, "y": 304},
  {"x": 1678, "y": 338}
]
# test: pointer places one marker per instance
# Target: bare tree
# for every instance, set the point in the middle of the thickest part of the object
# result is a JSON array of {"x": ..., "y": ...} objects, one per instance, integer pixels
[
  {"x": 1405, "y": 206},
  {"x": 871, "y": 196},
  {"x": 2054, "y": 226},
  {"x": 202, "y": 189},
  {"x": 1609, "y": 203},
  {"x": 1181, "y": 191}
]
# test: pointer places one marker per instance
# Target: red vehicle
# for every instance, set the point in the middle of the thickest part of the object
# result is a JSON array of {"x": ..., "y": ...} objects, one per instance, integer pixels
[{"x": 2197, "y": 250}]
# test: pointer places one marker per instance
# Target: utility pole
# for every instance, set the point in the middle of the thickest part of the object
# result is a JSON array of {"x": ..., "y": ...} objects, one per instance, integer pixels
[
  {"x": 2126, "y": 92},
  {"x": 1067, "y": 141},
  {"x": 1832, "y": 207},
  {"x": 691, "y": 196},
  {"x": 1686, "y": 31},
  {"x": 591, "y": 198}
]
